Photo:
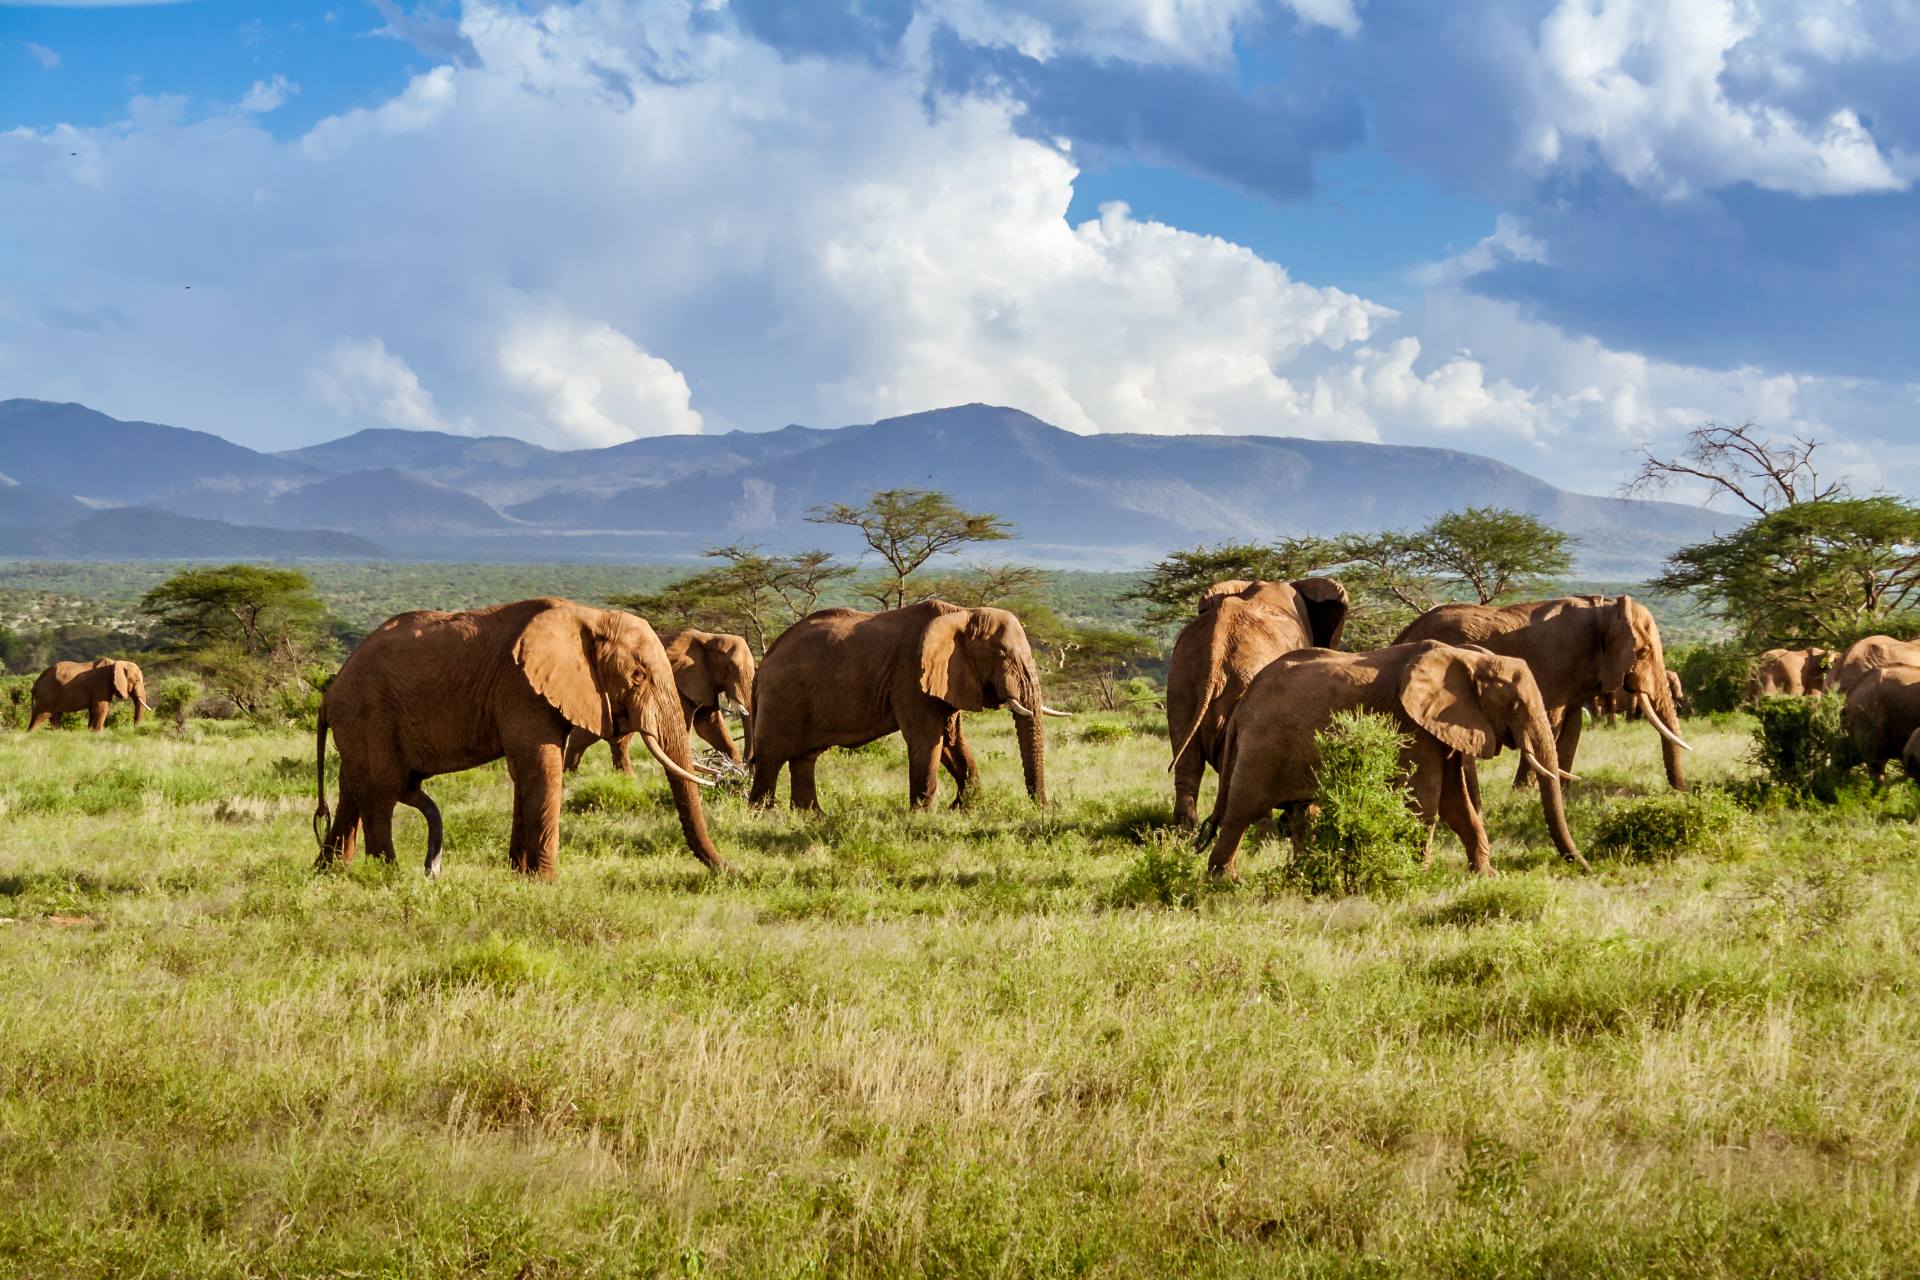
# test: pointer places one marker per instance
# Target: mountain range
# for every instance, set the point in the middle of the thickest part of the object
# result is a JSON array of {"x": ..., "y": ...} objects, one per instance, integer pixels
[{"x": 77, "y": 484}]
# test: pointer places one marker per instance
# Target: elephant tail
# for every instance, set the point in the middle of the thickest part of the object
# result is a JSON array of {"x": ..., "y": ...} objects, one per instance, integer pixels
[{"x": 322, "y": 819}]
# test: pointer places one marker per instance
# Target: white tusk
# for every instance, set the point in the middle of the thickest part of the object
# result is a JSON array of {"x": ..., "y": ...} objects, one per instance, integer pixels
[
  {"x": 1019, "y": 710},
  {"x": 1046, "y": 710},
  {"x": 146, "y": 704},
  {"x": 654, "y": 748},
  {"x": 1541, "y": 769},
  {"x": 1660, "y": 726}
]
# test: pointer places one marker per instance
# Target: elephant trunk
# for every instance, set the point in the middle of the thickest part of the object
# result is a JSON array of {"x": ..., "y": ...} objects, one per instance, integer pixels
[
  {"x": 1660, "y": 698},
  {"x": 1033, "y": 742},
  {"x": 661, "y": 724},
  {"x": 1552, "y": 800},
  {"x": 139, "y": 705}
]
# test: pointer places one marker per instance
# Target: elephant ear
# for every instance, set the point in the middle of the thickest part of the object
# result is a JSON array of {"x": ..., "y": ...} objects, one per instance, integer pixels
[
  {"x": 1325, "y": 602},
  {"x": 1615, "y": 644},
  {"x": 693, "y": 673},
  {"x": 122, "y": 680},
  {"x": 1439, "y": 691},
  {"x": 558, "y": 652},
  {"x": 947, "y": 671}
]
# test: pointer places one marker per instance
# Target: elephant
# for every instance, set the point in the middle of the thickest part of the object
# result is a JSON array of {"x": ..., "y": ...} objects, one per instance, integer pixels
[
  {"x": 707, "y": 669},
  {"x": 1865, "y": 655},
  {"x": 1455, "y": 705},
  {"x": 430, "y": 693},
  {"x": 844, "y": 678},
  {"x": 1241, "y": 626},
  {"x": 1578, "y": 647},
  {"x": 89, "y": 687},
  {"x": 1882, "y": 716},
  {"x": 1790, "y": 672}
]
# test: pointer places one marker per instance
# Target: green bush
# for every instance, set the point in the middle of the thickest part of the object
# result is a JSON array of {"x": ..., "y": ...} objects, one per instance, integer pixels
[
  {"x": 1165, "y": 874},
  {"x": 16, "y": 701},
  {"x": 1105, "y": 731},
  {"x": 1666, "y": 826},
  {"x": 174, "y": 697},
  {"x": 611, "y": 793},
  {"x": 1362, "y": 836},
  {"x": 1801, "y": 746},
  {"x": 1714, "y": 675}
]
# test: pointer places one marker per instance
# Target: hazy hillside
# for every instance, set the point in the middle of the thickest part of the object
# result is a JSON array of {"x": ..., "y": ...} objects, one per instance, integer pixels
[{"x": 1101, "y": 501}]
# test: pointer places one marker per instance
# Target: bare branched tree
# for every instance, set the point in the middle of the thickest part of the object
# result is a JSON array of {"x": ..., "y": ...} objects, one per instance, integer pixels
[{"x": 1741, "y": 462}]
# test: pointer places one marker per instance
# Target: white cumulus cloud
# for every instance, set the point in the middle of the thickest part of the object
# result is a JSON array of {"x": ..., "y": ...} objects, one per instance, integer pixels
[
  {"x": 359, "y": 377},
  {"x": 588, "y": 384}
]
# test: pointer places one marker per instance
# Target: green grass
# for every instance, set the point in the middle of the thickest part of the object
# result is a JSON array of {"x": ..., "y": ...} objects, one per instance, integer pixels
[{"x": 983, "y": 1041}]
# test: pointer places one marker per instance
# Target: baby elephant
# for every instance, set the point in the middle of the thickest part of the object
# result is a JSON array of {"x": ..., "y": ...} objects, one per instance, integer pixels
[
  {"x": 1455, "y": 704},
  {"x": 88, "y": 687}
]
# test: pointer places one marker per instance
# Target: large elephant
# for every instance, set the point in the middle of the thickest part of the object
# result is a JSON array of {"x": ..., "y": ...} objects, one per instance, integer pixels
[
  {"x": 1454, "y": 704},
  {"x": 90, "y": 687},
  {"x": 1882, "y": 716},
  {"x": 1870, "y": 654},
  {"x": 430, "y": 693},
  {"x": 1578, "y": 647},
  {"x": 708, "y": 668},
  {"x": 842, "y": 678},
  {"x": 1241, "y": 627},
  {"x": 1790, "y": 673}
]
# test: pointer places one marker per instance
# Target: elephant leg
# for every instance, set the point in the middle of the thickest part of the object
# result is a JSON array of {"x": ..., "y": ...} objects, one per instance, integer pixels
[
  {"x": 378, "y": 820},
  {"x": 712, "y": 728},
  {"x": 578, "y": 740},
  {"x": 1425, "y": 785},
  {"x": 535, "y": 770},
  {"x": 805, "y": 794},
  {"x": 1463, "y": 816},
  {"x": 766, "y": 780},
  {"x": 1263, "y": 829},
  {"x": 621, "y": 749},
  {"x": 1187, "y": 776},
  {"x": 431, "y": 812},
  {"x": 957, "y": 758},
  {"x": 923, "y": 768},
  {"x": 97, "y": 716},
  {"x": 39, "y": 718},
  {"x": 1241, "y": 814},
  {"x": 341, "y": 832}
]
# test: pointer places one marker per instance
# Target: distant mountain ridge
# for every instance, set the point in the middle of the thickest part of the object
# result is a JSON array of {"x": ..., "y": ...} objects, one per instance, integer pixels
[{"x": 1097, "y": 501}]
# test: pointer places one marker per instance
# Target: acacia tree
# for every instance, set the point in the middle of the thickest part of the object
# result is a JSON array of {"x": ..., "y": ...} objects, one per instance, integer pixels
[
  {"x": 752, "y": 594},
  {"x": 1494, "y": 552},
  {"x": 908, "y": 527},
  {"x": 1739, "y": 462},
  {"x": 249, "y": 629},
  {"x": 1172, "y": 587},
  {"x": 1820, "y": 572}
]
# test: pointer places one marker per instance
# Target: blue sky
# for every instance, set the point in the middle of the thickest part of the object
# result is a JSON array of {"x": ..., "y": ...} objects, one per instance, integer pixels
[{"x": 1547, "y": 230}]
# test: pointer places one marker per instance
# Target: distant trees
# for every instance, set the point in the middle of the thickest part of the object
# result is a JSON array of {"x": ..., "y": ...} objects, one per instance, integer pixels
[
  {"x": 1812, "y": 572},
  {"x": 749, "y": 593},
  {"x": 907, "y": 528},
  {"x": 251, "y": 630},
  {"x": 1486, "y": 554}
]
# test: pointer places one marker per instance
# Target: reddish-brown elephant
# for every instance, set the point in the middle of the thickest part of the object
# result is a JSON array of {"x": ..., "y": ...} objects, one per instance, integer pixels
[
  {"x": 709, "y": 668},
  {"x": 1453, "y": 705},
  {"x": 1241, "y": 626},
  {"x": 91, "y": 687},
  {"x": 1790, "y": 673},
  {"x": 843, "y": 678},
  {"x": 1578, "y": 647},
  {"x": 430, "y": 693}
]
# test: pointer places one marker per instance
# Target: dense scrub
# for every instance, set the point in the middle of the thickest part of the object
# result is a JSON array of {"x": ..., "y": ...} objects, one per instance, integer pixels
[{"x": 966, "y": 1042}]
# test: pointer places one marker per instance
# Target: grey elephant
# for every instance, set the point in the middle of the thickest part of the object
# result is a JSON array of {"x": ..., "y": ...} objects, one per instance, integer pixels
[
  {"x": 709, "y": 668},
  {"x": 90, "y": 687},
  {"x": 1455, "y": 705},
  {"x": 844, "y": 677},
  {"x": 1241, "y": 626}
]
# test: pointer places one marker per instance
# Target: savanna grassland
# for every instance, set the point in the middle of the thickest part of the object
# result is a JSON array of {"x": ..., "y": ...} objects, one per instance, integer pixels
[{"x": 994, "y": 1041}]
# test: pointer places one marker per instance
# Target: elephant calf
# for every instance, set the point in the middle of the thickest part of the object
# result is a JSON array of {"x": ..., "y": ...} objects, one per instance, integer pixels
[
  {"x": 1455, "y": 705},
  {"x": 708, "y": 668},
  {"x": 430, "y": 693},
  {"x": 90, "y": 687},
  {"x": 843, "y": 678}
]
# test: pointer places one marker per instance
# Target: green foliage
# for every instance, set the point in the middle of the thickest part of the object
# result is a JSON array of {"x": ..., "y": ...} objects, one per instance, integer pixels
[
  {"x": 1105, "y": 731},
  {"x": 1714, "y": 675},
  {"x": 1496, "y": 553},
  {"x": 1815, "y": 573},
  {"x": 1364, "y": 836},
  {"x": 1801, "y": 746},
  {"x": 749, "y": 594},
  {"x": 250, "y": 630},
  {"x": 1485, "y": 901},
  {"x": 174, "y": 697},
  {"x": 613, "y": 793},
  {"x": 1164, "y": 873},
  {"x": 1661, "y": 827},
  {"x": 1173, "y": 586},
  {"x": 908, "y": 527},
  {"x": 16, "y": 701}
]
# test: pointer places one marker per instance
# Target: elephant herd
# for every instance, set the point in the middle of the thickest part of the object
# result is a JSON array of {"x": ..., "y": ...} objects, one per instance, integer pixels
[
  {"x": 1252, "y": 678},
  {"x": 1880, "y": 679}
]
